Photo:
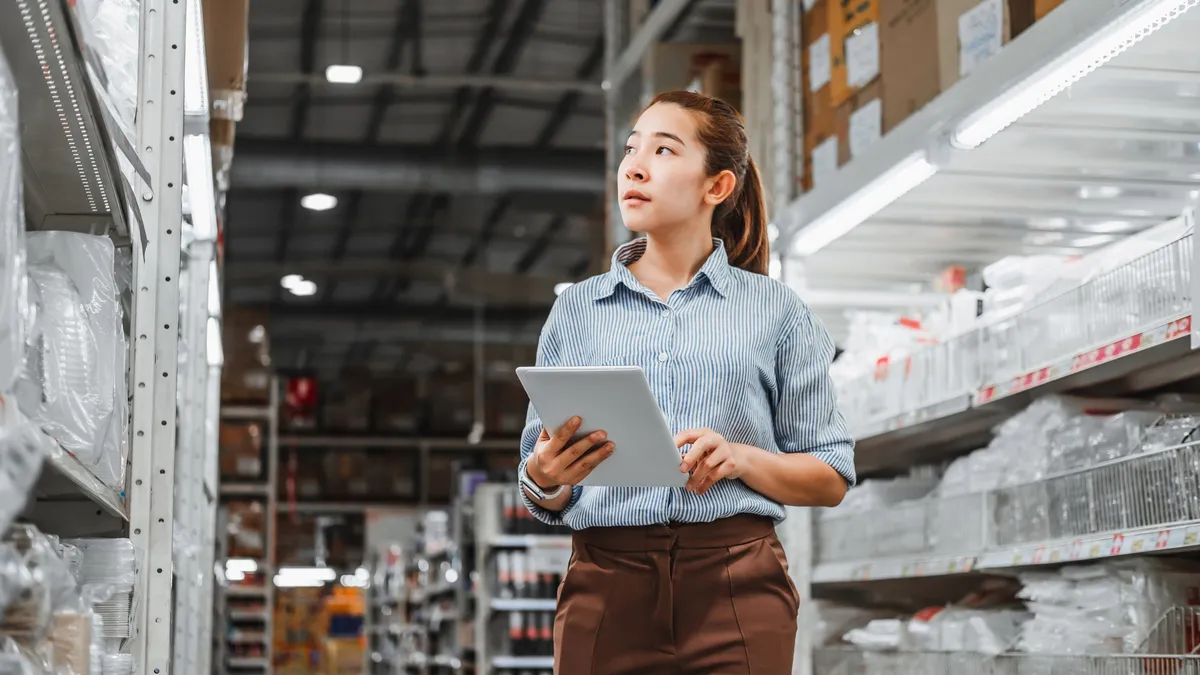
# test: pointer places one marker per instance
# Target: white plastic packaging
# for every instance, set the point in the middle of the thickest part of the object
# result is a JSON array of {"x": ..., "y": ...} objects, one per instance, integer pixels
[
  {"x": 74, "y": 384},
  {"x": 13, "y": 300},
  {"x": 111, "y": 30},
  {"x": 22, "y": 449}
]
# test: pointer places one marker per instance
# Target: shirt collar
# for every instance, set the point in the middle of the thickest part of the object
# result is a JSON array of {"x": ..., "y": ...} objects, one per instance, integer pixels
[{"x": 715, "y": 269}]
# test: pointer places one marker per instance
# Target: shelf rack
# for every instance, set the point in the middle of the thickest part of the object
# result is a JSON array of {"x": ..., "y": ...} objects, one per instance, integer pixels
[
  {"x": 267, "y": 493},
  {"x": 74, "y": 149},
  {"x": 1003, "y": 149}
]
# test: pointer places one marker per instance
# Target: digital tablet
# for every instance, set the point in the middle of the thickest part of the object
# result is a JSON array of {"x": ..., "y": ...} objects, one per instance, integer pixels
[{"x": 618, "y": 400}]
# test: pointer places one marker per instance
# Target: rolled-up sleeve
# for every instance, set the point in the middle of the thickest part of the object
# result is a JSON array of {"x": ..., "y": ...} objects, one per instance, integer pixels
[
  {"x": 806, "y": 414},
  {"x": 548, "y": 354}
]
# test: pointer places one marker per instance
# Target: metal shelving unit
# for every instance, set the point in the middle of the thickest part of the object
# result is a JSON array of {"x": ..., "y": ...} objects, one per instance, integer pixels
[
  {"x": 231, "y": 622},
  {"x": 74, "y": 149},
  {"x": 1080, "y": 122}
]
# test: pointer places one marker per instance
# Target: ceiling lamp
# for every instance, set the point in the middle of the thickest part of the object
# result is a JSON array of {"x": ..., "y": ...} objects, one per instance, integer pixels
[
  {"x": 318, "y": 201},
  {"x": 342, "y": 74}
]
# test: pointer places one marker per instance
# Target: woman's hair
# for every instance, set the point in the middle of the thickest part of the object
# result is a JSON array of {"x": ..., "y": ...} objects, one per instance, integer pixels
[{"x": 741, "y": 220}]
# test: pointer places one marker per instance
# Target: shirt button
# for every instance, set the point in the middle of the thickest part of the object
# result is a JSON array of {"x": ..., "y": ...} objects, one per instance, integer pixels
[
  {"x": 666, "y": 313},
  {"x": 662, "y": 357}
]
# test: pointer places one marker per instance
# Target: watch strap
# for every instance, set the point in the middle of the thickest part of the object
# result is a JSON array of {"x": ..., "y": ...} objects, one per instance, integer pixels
[{"x": 536, "y": 490}]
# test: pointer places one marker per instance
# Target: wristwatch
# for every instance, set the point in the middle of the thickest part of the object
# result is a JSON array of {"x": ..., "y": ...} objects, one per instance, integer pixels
[{"x": 536, "y": 490}]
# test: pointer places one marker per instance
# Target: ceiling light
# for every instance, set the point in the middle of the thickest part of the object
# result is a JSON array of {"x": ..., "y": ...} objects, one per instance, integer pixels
[
  {"x": 1024, "y": 97},
  {"x": 241, "y": 565},
  {"x": 559, "y": 288},
  {"x": 775, "y": 268},
  {"x": 772, "y": 233},
  {"x": 214, "y": 351},
  {"x": 863, "y": 203},
  {"x": 304, "y": 288},
  {"x": 214, "y": 289},
  {"x": 342, "y": 74},
  {"x": 1099, "y": 192},
  {"x": 290, "y": 281},
  {"x": 318, "y": 201},
  {"x": 197, "y": 158}
]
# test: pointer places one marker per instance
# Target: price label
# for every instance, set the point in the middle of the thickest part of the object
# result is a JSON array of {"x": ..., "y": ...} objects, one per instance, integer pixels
[
  {"x": 1118, "y": 541},
  {"x": 1162, "y": 540},
  {"x": 1191, "y": 537},
  {"x": 1137, "y": 547},
  {"x": 1016, "y": 558},
  {"x": 1039, "y": 555},
  {"x": 1056, "y": 555},
  {"x": 1094, "y": 550},
  {"x": 1076, "y": 549},
  {"x": 906, "y": 570}
]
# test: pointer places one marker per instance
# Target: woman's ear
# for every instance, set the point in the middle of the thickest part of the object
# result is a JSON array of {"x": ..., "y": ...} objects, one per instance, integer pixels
[{"x": 720, "y": 187}]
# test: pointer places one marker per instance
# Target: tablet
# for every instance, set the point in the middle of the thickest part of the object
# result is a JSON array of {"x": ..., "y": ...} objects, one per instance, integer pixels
[{"x": 618, "y": 400}]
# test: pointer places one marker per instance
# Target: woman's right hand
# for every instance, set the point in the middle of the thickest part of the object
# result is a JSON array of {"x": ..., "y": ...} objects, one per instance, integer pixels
[{"x": 555, "y": 463}]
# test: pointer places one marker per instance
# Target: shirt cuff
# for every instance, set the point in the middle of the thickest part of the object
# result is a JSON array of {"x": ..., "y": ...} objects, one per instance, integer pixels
[
  {"x": 840, "y": 460},
  {"x": 546, "y": 515}
]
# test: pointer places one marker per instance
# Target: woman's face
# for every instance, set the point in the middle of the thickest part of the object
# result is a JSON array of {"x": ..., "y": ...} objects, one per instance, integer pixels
[{"x": 662, "y": 180}]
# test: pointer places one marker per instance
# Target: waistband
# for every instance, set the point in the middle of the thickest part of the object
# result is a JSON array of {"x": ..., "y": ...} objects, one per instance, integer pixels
[{"x": 731, "y": 531}]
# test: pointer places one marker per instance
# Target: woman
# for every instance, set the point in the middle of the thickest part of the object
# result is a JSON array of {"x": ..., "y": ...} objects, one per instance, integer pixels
[{"x": 692, "y": 580}]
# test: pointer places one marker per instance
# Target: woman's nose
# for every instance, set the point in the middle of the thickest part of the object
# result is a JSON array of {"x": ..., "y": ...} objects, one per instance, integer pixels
[{"x": 635, "y": 173}]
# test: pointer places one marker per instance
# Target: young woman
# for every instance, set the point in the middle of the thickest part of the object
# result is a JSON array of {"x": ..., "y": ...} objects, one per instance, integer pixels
[{"x": 689, "y": 580}]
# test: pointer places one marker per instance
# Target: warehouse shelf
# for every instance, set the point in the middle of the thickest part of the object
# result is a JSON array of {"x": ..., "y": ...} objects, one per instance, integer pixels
[
  {"x": 248, "y": 663},
  {"x": 246, "y": 592},
  {"x": 66, "y": 478},
  {"x": 832, "y": 661},
  {"x": 519, "y": 662},
  {"x": 73, "y": 181},
  {"x": 936, "y": 164},
  {"x": 248, "y": 615},
  {"x": 1088, "y": 335},
  {"x": 299, "y": 441},
  {"x": 1148, "y": 506},
  {"x": 244, "y": 489},
  {"x": 524, "y": 604},
  {"x": 529, "y": 541}
]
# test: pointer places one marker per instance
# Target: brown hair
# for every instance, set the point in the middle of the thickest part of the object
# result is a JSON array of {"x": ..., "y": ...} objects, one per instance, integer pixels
[{"x": 741, "y": 220}]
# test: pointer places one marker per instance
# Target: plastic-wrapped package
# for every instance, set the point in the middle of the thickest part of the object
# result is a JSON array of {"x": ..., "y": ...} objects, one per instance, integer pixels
[
  {"x": 15, "y": 578},
  {"x": 879, "y": 635},
  {"x": 22, "y": 449},
  {"x": 13, "y": 301},
  {"x": 111, "y": 30},
  {"x": 109, "y": 574},
  {"x": 74, "y": 383},
  {"x": 955, "y": 629}
]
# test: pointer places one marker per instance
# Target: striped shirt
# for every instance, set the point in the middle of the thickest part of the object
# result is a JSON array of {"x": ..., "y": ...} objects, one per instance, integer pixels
[{"x": 733, "y": 351}]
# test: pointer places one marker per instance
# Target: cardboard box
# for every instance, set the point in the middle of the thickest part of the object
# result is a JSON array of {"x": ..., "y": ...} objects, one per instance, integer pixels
[
  {"x": 927, "y": 45},
  {"x": 713, "y": 69},
  {"x": 241, "y": 450},
  {"x": 343, "y": 656},
  {"x": 395, "y": 407},
  {"x": 860, "y": 123},
  {"x": 246, "y": 376},
  {"x": 226, "y": 33},
  {"x": 820, "y": 115},
  {"x": 1025, "y": 13},
  {"x": 854, "y": 44}
]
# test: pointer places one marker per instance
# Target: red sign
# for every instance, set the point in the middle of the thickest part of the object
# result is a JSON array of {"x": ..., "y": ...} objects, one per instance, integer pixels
[
  {"x": 1163, "y": 537},
  {"x": 1118, "y": 541}
]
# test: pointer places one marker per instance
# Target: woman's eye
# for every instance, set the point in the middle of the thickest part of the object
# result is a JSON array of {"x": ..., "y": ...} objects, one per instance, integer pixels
[
  {"x": 664, "y": 150},
  {"x": 629, "y": 149}
]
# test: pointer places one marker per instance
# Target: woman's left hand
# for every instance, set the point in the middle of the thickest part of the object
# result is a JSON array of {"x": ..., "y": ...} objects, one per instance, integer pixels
[{"x": 710, "y": 458}]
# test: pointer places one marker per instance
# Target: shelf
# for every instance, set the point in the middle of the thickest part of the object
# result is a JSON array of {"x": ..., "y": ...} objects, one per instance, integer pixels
[
  {"x": 247, "y": 663},
  {"x": 516, "y": 662},
  {"x": 71, "y": 179},
  {"x": 258, "y": 615},
  {"x": 248, "y": 639},
  {"x": 524, "y": 604},
  {"x": 395, "y": 442},
  {"x": 530, "y": 540},
  {"x": 246, "y": 592},
  {"x": 1142, "y": 361},
  {"x": 244, "y": 489},
  {"x": 1093, "y": 123},
  {"x": 245, "y": 413},
  {"x": 65, "y": 478}
]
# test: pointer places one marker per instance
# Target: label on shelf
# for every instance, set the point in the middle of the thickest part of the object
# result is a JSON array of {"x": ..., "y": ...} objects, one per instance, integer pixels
[
  {"x": 862, "y": 57},
  {"x": 548, "y": 558},
  {"x": 980, "y": 35}
]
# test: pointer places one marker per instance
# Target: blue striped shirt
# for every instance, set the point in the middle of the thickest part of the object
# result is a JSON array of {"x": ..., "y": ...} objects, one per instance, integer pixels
[{"x": 733, "y": 351}]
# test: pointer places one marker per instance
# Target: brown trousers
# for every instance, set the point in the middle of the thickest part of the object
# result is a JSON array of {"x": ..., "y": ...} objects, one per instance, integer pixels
[{"x": 691, "y": 599}]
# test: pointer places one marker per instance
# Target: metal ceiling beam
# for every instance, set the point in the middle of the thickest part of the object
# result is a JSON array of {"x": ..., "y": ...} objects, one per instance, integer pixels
[
  {"x": 495, "y": 288},
  {"x": 390, "y": 312},
  {"x": 660, "y": 19},
  {"x": 408, "y": 21},
  {"x": 570, "y": 101},
  {"x": 434, "y": 81},
  {"x": 309, "y": 31},
  {"x": 277, "y": 164},
  {"x": 535, "y": 252},
  {"x": 520, "y": 30},
  {"x": 497, "y": 9}
]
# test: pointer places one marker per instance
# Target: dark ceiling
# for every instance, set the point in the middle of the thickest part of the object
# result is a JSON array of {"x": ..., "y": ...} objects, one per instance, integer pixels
[{"x": 468, "y": 167}]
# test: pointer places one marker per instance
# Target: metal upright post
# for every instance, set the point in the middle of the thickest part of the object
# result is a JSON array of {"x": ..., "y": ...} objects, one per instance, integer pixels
[
  {"x": 614, "y": 36},
  {"x": 272, "y": 520},
  {"x": 155, "y": 325}
]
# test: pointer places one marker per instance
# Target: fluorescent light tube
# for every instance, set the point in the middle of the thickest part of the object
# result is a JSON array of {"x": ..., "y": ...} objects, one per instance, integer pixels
[
  {"x": 195, "y": 66},
  {"x": 864, "y": 203},
  {"x": 214, "y": 290},
  {"x": 197, "y": 157},
  {"x": 214, "y": 355},
  {"x": 318, "y": 201},
  {"x": 343, "y": 74},
  {"x": 1020, "y": 100}
]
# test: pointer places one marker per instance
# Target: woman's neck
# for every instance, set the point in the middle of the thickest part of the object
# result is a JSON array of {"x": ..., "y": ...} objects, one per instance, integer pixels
[{"x": 672, "y": 260}]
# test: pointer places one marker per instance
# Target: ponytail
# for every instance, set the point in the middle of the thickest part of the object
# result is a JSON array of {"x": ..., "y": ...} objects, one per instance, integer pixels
[
  {"x": 743, "y": 224},
  {"x": 741, "y": 220}
]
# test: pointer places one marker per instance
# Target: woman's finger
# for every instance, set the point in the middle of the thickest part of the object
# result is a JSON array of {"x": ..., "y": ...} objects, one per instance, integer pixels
[
  {"x": 706, "y": 465},
  {"x": 562, "y": 436},
  {"x": 711, "y": 478},
  {"x": 700, "y": 448},
  {"x": 690, "y": 436},
  {"x": 584, "y": 465},
  {"x": 578, "y": 448}
]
